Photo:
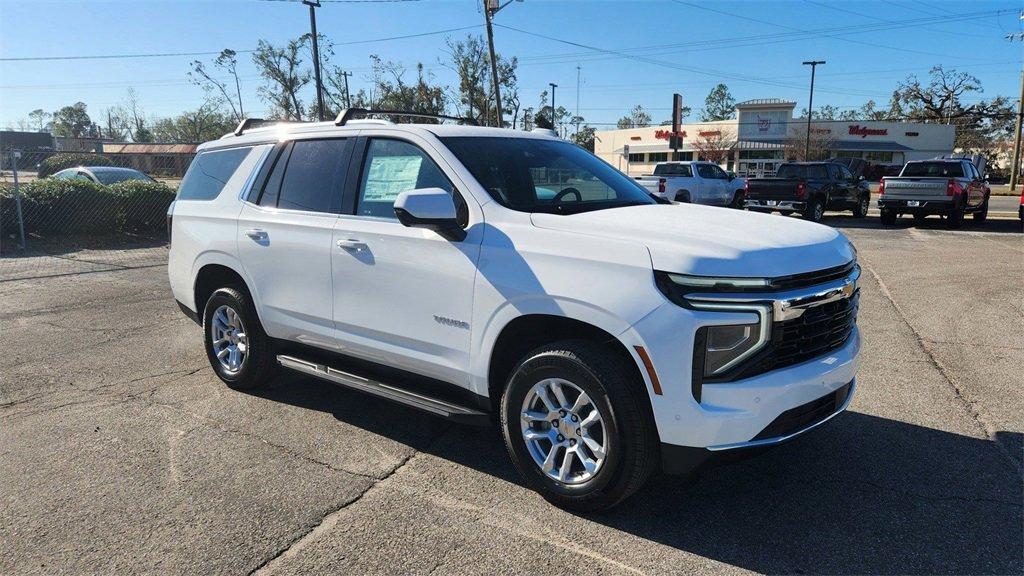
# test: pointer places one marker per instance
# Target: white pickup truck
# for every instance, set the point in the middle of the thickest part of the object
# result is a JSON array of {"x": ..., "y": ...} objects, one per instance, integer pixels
[
  {"x": 510, "y": 279},
  {"x": 694, "y": 182}
]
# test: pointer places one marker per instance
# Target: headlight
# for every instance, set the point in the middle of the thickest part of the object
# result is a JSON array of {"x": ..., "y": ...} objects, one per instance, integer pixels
[{"x": 719, "y": 348}]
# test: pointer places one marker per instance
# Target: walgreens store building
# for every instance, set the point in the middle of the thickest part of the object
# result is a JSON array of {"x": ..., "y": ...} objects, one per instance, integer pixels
[{"x": 756, "y": 141}]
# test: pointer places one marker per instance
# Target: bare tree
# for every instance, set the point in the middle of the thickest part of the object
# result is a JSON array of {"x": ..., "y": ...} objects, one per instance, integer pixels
[
  {"x": 714, "y": 145},
  {"x": 637, "y": 118},
  {"x": 39, "y": 119},
  {"x": 821, "y": 144},
  {"x": 227, "y": 62}
]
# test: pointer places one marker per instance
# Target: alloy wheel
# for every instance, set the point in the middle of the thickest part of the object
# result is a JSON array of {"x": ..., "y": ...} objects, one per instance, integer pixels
[
  {"x": 228, "y": 338},
  {"x": 564, "y": 431}
]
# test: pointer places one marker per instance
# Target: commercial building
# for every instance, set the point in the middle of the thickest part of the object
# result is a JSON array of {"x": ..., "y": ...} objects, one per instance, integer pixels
[{"x": 764, "y": 133}]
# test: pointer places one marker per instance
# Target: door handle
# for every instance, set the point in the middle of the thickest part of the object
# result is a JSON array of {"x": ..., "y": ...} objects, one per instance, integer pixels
[
  {"x": 352, "y": 245},
  {"x": 256, "y": 234}
]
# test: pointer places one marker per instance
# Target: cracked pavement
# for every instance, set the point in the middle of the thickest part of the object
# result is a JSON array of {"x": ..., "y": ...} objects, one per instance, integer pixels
[{"x": 120, "y": 451}]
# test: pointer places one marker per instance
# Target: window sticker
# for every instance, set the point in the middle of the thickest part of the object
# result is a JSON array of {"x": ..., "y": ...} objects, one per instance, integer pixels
[{"x": 389, "y": 176}]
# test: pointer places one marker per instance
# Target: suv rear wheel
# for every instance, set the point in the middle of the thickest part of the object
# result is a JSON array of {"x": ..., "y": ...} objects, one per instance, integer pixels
[
  {"x": 888, "y": 216},
  {"x": 575, "y": 426},
  {"x": 236, "y": 345}
]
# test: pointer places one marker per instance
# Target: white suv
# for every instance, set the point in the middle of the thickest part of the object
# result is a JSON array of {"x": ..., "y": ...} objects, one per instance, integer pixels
[{"x": 488, "y": 275}]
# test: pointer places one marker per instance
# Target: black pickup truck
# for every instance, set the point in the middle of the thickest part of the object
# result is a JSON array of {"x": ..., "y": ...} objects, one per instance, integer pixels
[{"x": 809, "y": 188}]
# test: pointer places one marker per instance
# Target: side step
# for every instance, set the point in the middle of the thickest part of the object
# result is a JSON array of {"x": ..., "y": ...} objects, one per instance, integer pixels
[{"x": 453, "y": 412}]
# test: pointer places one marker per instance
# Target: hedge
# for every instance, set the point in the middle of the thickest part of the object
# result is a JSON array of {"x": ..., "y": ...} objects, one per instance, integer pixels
[
  {"x": 67, "y": 207},
  {"x": 62, "y": 161}
]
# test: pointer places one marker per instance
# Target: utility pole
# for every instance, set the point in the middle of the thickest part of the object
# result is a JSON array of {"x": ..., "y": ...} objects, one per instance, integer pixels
[
  {"x": 492, "y": 7},
  {"x": 578, "y": 69},
  {"x": 313, "y": 5},
  {"x": 1015, "y": 167},
  {"x": 810, "y": 108},
  {"x": 554, "y": 125},
  {"x": 348, "y": 99}
]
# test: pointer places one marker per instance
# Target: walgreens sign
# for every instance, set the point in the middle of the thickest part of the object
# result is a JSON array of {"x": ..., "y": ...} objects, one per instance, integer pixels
[{"x": 864, "y": 131}]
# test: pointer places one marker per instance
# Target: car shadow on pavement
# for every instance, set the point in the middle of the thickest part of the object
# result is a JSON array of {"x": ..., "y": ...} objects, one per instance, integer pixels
[
  {"x": 861, "y": 495},
  {"x": 1003, "y": 226}
]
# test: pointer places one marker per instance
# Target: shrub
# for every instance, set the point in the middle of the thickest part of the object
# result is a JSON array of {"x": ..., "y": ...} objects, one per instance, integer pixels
[
  {"x": 59, "y": 162},
  {"x": 59, "y": 207},
  {"x": 142, "y": 206}
]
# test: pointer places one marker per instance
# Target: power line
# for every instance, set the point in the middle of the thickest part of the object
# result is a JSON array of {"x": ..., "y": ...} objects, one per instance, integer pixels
[{"x": 249, "y": 51}]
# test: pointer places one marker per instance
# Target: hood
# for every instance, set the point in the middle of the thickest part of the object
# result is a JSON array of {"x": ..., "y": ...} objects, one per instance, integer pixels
[{"x": 708, "y": 241}]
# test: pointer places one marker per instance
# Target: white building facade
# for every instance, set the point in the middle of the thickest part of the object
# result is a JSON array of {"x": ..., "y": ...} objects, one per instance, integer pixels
[{"x": 764, "y": 133}]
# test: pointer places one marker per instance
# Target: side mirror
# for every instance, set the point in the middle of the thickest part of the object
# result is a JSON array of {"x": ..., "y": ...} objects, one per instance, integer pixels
[{"x": 430, "y": 208}]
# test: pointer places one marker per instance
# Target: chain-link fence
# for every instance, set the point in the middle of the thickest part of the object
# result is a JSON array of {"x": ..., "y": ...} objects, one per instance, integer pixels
[{"x": 73, "y": 213}]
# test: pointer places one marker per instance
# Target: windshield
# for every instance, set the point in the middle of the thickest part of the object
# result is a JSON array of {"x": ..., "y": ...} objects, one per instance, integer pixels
[
  {"x": 534, "y": 175},
  {"x": 934, "y": 170},
  {"x": 109, "y": 177}
]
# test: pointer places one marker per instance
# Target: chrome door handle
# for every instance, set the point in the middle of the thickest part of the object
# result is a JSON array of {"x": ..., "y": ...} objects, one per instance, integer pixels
[
  {"x": 352, "y": 245},
  {"x": 256, "y": 234}
]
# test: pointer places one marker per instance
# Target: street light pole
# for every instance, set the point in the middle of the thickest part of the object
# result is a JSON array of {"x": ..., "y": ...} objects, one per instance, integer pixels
[
  {"x": 810, "y": 107},
  {"x": 554, "y": 125},
  {"x": 313, "y": 5}
]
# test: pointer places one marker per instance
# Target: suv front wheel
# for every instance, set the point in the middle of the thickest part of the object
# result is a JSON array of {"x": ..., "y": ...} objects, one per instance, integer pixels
[
  {"x": 236, "y": 345},
  {"x": 575, "y": 426}
]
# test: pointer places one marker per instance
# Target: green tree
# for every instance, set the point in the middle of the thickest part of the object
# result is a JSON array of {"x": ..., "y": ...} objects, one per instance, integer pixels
[
  {"x": 391, "y": 91},
  {"x": 719, "y": 105},
  {"x": 284, "y": 77},
  {"x": 39, "y": 119},
  {"x": 637, "y": 118},
  {"x": 207, "y": 122},
  {"x": 72, "y": 121},
  {"x": 584, "y": 137},
  {"x": 470, "y": 61}
]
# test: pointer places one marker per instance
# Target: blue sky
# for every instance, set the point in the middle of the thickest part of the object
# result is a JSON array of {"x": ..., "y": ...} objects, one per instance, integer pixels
[{"x": 685, "y": 46}]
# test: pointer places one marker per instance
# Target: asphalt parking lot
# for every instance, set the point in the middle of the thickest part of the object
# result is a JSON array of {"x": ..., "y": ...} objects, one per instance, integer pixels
[{"x": 121, "y": 452}]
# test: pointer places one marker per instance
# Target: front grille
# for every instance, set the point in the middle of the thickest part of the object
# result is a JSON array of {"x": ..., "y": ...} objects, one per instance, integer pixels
[
  {"x": 818, "y": 331},
  {"x": 796, "y": 419},
  {"x": 808, "y": 279}
]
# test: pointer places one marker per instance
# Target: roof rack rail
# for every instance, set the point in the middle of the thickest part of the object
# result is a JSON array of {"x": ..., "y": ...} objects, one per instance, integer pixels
[
  {"x": 350, "y": 113},
  {"x": 249, "y": 123}
]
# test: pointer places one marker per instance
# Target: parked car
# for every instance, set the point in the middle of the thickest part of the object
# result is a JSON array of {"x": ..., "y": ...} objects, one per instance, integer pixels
[
  {"x": 105, "y": 175},
  {"x": 1020, "y": 210},
  {"x": 694, "y": 182},
  {"x": 947, "y": 187},
  {"x": 809, "y": 188},
  {"x": 606, "y": 333}
]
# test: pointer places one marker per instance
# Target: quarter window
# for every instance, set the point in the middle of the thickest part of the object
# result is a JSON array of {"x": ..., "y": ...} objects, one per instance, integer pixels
[
  {"x": 393, "y": 167},
  {"x": 314, "y": 176},
  {"x": 210, "y": 172}
]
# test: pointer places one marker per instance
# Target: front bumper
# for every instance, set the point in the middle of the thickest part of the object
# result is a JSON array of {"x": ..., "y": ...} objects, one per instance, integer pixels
[
  {"x": 911, "y": 206},
  {"x": 780, "y": 205},
  {"x": 791, "y": 424}
]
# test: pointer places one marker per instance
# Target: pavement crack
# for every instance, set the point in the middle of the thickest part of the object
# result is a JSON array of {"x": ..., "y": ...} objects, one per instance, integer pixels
[
  {"x": 973, "y": 406},
  {"x": 331, "y": 519}
]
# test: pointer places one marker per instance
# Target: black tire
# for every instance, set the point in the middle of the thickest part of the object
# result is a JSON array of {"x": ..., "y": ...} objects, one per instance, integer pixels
[
  {"x": 627, "y": 425},
  {"x": 888, "y": 217},
  {"x": 258, "y": 364},
  {"x": 861, "y": 209},
  {"x": 737, "y": 200},
  {"x": 955, "y": 217},
  {"x": 683, "y": 196},
  {"x": 815, "y": 210},
  {"x": 982, "y": 214}
]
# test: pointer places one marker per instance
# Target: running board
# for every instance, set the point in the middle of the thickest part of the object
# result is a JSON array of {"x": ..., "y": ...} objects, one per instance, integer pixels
[{"x": 434, "y": 406}]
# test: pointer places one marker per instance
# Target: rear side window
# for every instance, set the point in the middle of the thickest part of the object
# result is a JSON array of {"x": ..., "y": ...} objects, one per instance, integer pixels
[
  {"x": 791, "y": 171},
  {"x": 673, "y": 170},
  {"x": 209, "y": 172},
  {"x": 314, "y": 176},
  {"x": 934, "y": 170},
  {"x": 817, "y": 172}
]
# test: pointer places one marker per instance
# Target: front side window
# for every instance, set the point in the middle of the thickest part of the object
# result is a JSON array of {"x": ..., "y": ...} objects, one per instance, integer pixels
[
  {"x": 393, "y": 167},
  {"x": 314, "y": 176},
  {"x": 845, "y": 173},
  {"x": 540, "y": 175},
  {"x": 210, "y": 172}
]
